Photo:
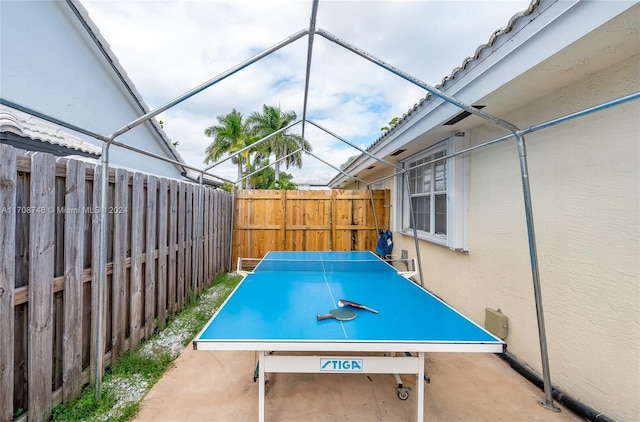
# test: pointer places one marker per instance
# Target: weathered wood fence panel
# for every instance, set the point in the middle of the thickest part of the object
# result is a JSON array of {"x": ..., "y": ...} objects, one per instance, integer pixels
[
  {"x": 48, "y": 264},
  {"x": 307, "y": 220}
]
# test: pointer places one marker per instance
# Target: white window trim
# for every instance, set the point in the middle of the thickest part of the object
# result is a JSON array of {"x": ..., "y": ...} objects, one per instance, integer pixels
[{"x": 457, "y": 196}]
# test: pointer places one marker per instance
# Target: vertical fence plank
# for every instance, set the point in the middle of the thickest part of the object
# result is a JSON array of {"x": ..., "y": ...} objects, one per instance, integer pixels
[
  {"x": 7, "y": 277},
  {"x": 173, "y": 240},
  {"x": 211, "y": 235},
  {"x": 74, "y": 221},
  {"x": 41, "y": 262},
  {"x": 182, "y": 207},
  {"x": 21, "y": 317},
  {"x": 215, "y": 219},
  {"x": 202, "y": 218},
  {"x": 150, "y": 266},
  {"x": 189, "y": 243},
  {"x": 137, "y": 239},
  {"x": 162, "y": 252},
  {"x": 200, "y": 222},
  {"x": 197, "y": 238},
  {"x": 119, "y": 274},
  {"x": 226, "y": 237},
  {"x": 204, "y": 244},
  {"x": 59, "y": 271}
]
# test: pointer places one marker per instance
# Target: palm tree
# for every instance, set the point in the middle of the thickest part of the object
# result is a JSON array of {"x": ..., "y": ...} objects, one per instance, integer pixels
[
  {"x": 230, "y": 136},
  {"x": 271, "y": 120}
]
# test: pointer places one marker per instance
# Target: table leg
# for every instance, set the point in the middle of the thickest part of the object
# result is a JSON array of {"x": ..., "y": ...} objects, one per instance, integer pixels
[
  {"x": 420, "y": 388},
  {"x": 261, "y": 384}
]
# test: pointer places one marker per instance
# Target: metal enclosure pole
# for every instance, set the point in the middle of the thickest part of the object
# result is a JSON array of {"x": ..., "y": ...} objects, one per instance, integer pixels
[
  {"x": 413, "y": 224},
  {"x": 373, "y": 207},
  {"x": 312, "y": 29},
  {"x": 415, "y": 81},
  {"x": 335, "y": 168},
  {"x": 101, "y": 277},
  {"x": 363, "y": 151},
  {"x": 547, "y": 403}
]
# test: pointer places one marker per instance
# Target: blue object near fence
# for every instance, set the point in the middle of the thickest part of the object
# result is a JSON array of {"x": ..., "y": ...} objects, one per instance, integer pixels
[{"x": 385, "y": 242}]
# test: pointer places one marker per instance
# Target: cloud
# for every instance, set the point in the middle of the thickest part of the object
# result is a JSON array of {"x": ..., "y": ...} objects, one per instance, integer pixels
[{"x": 171, "y": 47}]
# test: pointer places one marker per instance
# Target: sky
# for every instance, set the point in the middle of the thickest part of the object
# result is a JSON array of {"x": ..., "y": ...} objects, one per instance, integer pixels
[{"x": 168, "y": 47}]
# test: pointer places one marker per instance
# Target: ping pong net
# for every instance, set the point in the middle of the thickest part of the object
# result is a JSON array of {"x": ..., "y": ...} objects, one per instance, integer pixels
[{"x": 246, "y": 265}]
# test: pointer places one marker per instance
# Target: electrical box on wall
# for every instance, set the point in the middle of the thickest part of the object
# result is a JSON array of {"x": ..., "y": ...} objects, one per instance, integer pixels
[{"x": 496, "y": 322}]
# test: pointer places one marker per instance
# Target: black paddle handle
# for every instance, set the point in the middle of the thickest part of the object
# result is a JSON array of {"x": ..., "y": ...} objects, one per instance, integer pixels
[{"x": 323, "y": 317}]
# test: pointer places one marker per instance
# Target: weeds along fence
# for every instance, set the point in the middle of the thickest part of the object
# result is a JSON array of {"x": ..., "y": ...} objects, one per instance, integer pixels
[{"x": 49, "y": 220}]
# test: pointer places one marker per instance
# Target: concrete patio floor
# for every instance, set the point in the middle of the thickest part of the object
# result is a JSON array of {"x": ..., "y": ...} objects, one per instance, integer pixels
[{"x": 218, "y": 386}]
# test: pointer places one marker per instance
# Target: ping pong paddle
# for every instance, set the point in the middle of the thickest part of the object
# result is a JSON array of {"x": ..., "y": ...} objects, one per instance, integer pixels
[
  {"x": 339, "y": 314},
  {"x": 343, "y": 302}
]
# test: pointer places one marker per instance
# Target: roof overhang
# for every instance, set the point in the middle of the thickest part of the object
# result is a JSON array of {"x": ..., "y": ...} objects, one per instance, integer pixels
[{"x": 25, "y": 131}]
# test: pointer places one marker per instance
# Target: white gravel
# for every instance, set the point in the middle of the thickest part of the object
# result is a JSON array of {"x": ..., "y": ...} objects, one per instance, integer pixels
[{"x": 132, "y": 388}]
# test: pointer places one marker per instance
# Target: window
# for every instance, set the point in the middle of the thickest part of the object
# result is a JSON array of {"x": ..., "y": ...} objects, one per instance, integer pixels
[{"x": 437, "y": 190}]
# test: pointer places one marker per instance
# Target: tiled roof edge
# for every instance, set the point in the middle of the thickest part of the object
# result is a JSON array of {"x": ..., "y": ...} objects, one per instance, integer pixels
[{"x": 465, "y": 64}]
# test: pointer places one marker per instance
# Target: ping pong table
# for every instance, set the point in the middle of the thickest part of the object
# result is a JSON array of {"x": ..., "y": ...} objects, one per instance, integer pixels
[{"x": 273, "y": 311}]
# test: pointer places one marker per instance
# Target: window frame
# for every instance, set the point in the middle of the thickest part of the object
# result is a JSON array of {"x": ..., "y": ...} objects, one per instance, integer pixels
[{"x": 456, "y": 190}]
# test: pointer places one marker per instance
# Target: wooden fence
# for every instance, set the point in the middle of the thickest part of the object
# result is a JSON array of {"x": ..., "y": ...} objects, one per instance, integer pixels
[
  {"x": 48, "y": 263},
  {"x": 340, "y": 220}
]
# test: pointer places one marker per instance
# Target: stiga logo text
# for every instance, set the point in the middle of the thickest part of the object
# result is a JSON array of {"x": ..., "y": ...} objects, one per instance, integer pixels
[{"x": 340, "y": 365}]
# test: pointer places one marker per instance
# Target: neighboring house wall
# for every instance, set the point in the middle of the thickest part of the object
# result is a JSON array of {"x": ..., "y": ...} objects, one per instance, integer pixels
[
  {"x": 584, "y": 176},
  {"x": 50, "y": 64}
]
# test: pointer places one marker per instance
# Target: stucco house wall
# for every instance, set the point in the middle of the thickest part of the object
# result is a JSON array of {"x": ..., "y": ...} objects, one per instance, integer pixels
[
  {"x": 584, "y": 181},
  {"x": 54, "y": 61},
  {"x": 585, "y": 187}
]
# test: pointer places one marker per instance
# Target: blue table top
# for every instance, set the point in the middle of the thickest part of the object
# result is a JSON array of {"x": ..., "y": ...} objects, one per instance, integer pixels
[{"x": 275, "y": 308}]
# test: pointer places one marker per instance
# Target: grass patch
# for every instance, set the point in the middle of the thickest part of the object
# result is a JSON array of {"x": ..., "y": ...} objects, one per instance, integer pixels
[{"x": 129, "y": 379}]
